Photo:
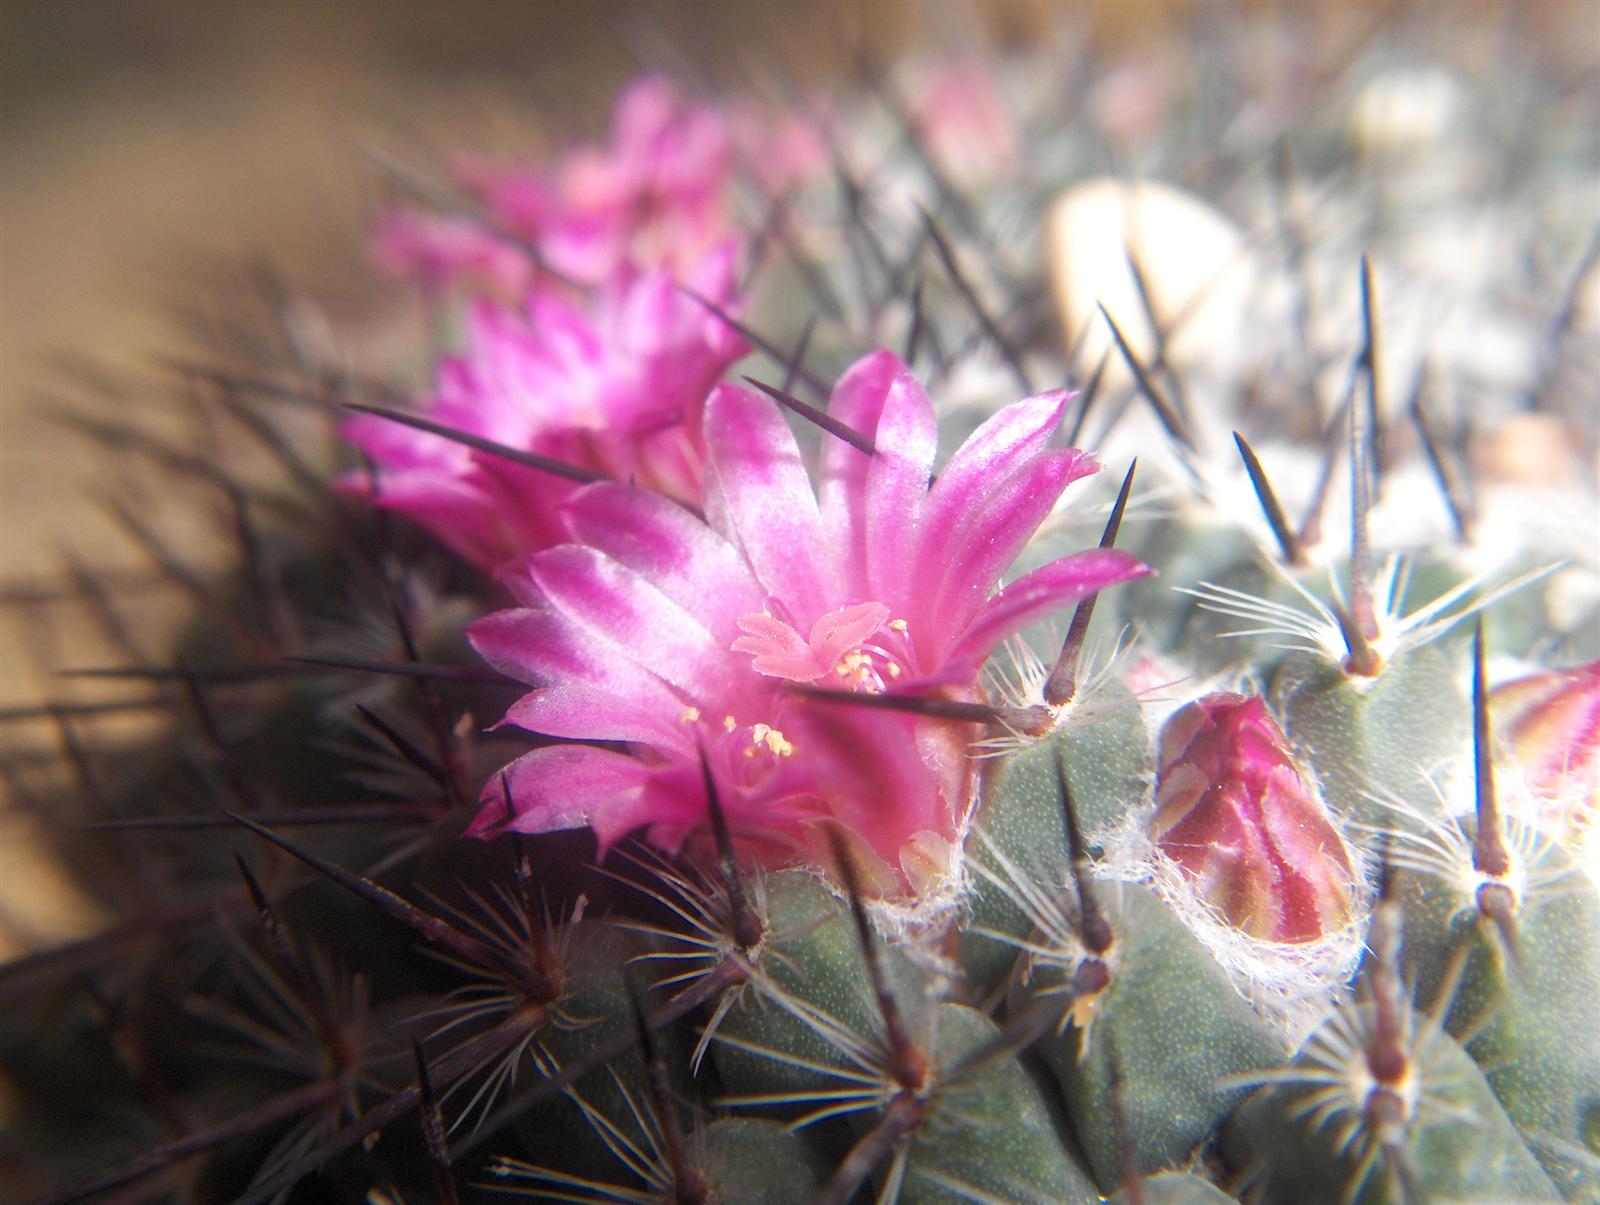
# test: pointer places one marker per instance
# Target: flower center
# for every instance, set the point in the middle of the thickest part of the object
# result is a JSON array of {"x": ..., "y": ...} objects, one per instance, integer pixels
[{"x": 857, "y": 647}]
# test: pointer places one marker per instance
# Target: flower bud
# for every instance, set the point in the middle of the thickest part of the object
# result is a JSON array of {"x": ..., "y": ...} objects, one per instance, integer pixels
[{"x": 1234, "y": 811}]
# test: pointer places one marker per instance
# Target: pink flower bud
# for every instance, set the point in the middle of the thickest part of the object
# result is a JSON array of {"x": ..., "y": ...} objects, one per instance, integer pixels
[
  {"x": 1548, "y": 727},
  {"x": 1234, "y": 811}
]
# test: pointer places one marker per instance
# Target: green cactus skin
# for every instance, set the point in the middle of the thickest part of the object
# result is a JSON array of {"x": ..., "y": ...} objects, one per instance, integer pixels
[
  {"x": 1108, "y": 763},
  {"x": 813, "y": 958},
  {"x": 1531, "y": 1019},
  {"x": 1374, "y": 737},
  {"x": 1171, "y": 1024},
  {"x": 1467, "y": 1150},
  {"x": 992, "y": 1136},
  {"x": 759, "y": 1161}
]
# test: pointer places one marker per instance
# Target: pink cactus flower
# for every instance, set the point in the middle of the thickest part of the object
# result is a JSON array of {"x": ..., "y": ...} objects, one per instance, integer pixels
[
  {"x": 1236, "y": 814},
  {"x": 783, "y": 151},
  {"x": 616, "y": 387},
  {"x": 673, "y": 635},
  {"x": 960, "y": 113},
  {"x": 656, "y": 195},
  {"x": 1548, "y": 727},
  {"x": 442, "y": 253}
]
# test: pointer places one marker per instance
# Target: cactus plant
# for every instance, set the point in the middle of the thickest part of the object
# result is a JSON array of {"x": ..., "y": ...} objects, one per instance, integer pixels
[{"x": 652, "y": 775}]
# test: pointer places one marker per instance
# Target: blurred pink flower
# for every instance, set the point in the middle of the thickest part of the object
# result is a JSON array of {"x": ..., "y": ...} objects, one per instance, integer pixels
[
  {"x": 1234, "y": 811},
  {"x": 655, "y": 196},
  {"x": 671, "y": 634},
  {"x": 615, "y": 387},
  {"x": 1548, "y": 727},
  {"x": 963, "y": 119},
  {"x": 783, "y": 151},
  {"x": 441, "y": 253}
]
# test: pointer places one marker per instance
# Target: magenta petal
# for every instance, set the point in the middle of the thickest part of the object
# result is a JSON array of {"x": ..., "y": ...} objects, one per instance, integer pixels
[
  {"x": 1021, "y": 430},
  {"x": 614, "y": 608},
  {"x": 858, "y": 400},
  {"x": 907, "y": 439},
  {"x": 581, "y": 691},
  {"x": 660, "y": 540},
  {"x": 985, "y": 533},
  {"x": 1036, "y": 594},
  {"x": 759, "y": 495},
  {"x": 564, "y": 786}
]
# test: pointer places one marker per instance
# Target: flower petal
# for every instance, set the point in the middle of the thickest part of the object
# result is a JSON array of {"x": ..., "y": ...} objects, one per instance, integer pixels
[
  {"x": 580, "y": 691},
  {"x": 858, "y": 400},
  {"x": 759, "y": 496},
  {"x": 907, "y": 440},
  {"x": 565, "y": 786},
  {"x": 989, "y": 529},
  {"x": 1036, "y": 594},
  {"x": 675, "y": 550},
  {"x": 1020, "y": 430},
  {"x": 615, "y": 608}
]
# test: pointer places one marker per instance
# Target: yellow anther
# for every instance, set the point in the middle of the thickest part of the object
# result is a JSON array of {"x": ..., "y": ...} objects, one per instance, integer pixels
[
  {"x": 689, "y": 715},
  {"x": 894, "y": 669},
  {"x": 775, "y": 742},
  {"x": 899, "y": 625},
  {"x": 729, "y": 723}
]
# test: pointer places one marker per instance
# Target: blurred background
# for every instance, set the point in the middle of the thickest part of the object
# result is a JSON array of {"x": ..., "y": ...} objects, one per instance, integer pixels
[{"x": 149, "y": 148}]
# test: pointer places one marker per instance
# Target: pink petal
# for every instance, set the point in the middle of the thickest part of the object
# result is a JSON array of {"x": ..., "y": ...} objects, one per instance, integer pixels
[
  {"x": 1021, "y": 430},
  {"x": 907, "y": 440},
  {"x": 581, "y": 692},
  {"x": 1036, "y": 594},
  {"x": 565, "y": 786},
  {"x": 617, "y": 609},
  {"x": 858, "y": 400},
  {"x": 675, "y": 550},
  {"x": 759, "y": 495},
  {"x": 989, "y": 529}
]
